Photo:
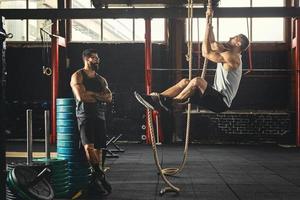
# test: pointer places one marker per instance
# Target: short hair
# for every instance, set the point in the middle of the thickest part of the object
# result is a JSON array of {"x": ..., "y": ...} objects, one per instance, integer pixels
[
  {"x": 88, "y": 53},
  {"x": 244, "y": 43}
]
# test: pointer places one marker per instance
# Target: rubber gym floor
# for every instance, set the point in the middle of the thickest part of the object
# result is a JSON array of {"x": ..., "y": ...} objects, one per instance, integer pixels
[{"x": 213, "y": 172}]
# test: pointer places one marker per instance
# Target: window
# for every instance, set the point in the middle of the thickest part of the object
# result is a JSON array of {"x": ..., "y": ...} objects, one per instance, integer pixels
[
  {"x": 268, "y": 3},
  {"x": 268, "y": 29},
  {"x": 27, "y": 30},
  {"x": 157, "y": 30},
  {"x": 262, "y": 29},
  {"x": 115, "y": 30},
  {"x": 229, "y": 27},
  {"x": 86, "y": 30}
]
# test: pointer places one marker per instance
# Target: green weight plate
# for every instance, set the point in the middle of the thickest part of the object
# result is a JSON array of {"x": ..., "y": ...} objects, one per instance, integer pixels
[
  {"x": 65, "y": 101},
  {"x": 62, "y": 176},
  {"x": 67, "y": 137},
  {"x": 22, "y": 175},
  {"x": 61, "y": 190},
  {"x": 14, "y": 187},
  {"x": 66, "y": 123},
  {"x": 68, "y": 130},
  {"x": 68, "y": 151},
  {"x": 71, "y": 158},
  {"x": 63, "y": 109},
  {"x": 67, "y": 144},
  {"x": 52, "y": 162},
  {"x": 62, "y": 184},
  {"x": 64, "y": 116},
  {"x": 58, "y": 178},
  {"x": 60, "y": 172},
  {"x": 65, "y": 194}
]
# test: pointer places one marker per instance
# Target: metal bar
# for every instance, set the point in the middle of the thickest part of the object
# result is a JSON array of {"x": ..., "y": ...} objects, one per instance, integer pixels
[
  {"x": 157, "y": 129},
  {"x": 29, "y": 136},
  {"x": 297, "y": 69},
  {"x": 2, "y": 114},
  {"x": 77, "y": 13},
  {"x": 148, "y": 66},
  {"x": 55, "y": 78},
  {"x": 47, "y": 133},
  {"x": 254, "y": 70},
  {"x": 162, "y": 2}
]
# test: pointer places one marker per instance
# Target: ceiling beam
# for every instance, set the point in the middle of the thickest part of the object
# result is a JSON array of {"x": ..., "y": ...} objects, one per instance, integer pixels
[{"x": 146, "y": 13}]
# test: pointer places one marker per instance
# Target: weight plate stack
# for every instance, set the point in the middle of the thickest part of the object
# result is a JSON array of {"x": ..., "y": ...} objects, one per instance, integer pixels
[
  {"x": 23, "y": 181},
  {"x": 60, "y": 178},
  {"x": 68, "y": 144},
  {"x": 9, "y": 194}
]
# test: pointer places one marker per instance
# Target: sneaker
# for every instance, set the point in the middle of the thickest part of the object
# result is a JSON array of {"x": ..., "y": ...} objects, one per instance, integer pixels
[
  {"x": 102, "y": 185},
  {"x": 147, "y": 101},
  {"x": 155, "y": 101}
]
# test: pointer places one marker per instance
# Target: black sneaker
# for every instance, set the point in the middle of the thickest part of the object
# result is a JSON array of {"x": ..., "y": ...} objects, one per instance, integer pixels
[
  {"x": 99, "y": 180},
  {"x": 148, "y": 101},
  {"x": 155, "y": 101}
]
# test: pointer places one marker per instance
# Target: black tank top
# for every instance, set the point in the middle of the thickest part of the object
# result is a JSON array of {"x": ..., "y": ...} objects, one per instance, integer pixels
[{"x": 96, "y": 109}]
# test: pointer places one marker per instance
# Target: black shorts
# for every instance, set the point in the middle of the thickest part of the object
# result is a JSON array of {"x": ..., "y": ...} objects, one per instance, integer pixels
[
  {"x": 92, "y": 131},
  {"x": 211, "y": 99}
]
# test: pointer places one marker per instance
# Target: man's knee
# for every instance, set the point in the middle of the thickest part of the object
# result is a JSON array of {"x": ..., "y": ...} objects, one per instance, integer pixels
[
  {"x": 183, "y": 82},
  {"x": 199, "y": 82}
]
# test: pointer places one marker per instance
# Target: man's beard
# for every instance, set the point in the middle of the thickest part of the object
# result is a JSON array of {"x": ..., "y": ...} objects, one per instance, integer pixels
[{"x": 94, "y": 66}]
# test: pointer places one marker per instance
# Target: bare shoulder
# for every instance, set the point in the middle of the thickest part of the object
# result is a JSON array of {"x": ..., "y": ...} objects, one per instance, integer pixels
[
  {"x": 231, "y": 59},
  {"x": 76, "y": 77}
]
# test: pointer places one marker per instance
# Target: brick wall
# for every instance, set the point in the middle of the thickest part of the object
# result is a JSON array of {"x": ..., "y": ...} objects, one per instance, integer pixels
[{"x": 242, "y": 126}]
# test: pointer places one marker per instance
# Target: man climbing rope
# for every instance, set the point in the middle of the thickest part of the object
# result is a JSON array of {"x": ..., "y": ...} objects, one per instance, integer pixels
[{"x": 219, "y": 96}]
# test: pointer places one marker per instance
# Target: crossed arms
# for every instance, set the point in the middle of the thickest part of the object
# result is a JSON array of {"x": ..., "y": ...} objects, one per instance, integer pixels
[{"x": 81, "y": 94}]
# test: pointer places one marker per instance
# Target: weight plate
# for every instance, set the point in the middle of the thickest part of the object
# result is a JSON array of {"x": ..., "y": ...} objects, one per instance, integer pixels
[
  {"x": 52, "y": 162},
  {"x": 67, "y": 144},
  {"x": 63, "y": 109},
  {"x": 61, "y": 190},
  {"x": 71, "y": 158},
  {"x": 24, "y": 175},
  {"x": 65, "y": 102},
  {"x": 64, "y": 194},
  {"x": 67, "y": 137},
  {"x": 68, "y": 151},
  {"x": 69, "y": 116},
  {"x": 61, "y": 184},
  {"x": 69, "y": 130},
  {"x": 62, "y": 176},
  {"x": 66, "y": 123},
  {"x": 15, "y": 188}
]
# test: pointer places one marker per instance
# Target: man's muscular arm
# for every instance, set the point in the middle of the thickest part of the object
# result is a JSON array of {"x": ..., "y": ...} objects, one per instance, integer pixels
[
  {"x": 106, "y": 94},
  {"x": 227, "y": 58},
  {"x": 80, "y": 93}
]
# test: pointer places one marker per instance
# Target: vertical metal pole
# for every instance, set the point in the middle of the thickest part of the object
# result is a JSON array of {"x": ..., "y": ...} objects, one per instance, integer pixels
[
  {"x": 2, "y": 114},
  {"x": 55, "y": 78},
  {"x": 297, "y": 65},
  {"x": 157, "y": 129},
  {"x": 29, "y": 136},
  {"x": 47, "y": 133},
  {"x": 148, "y": 65}
]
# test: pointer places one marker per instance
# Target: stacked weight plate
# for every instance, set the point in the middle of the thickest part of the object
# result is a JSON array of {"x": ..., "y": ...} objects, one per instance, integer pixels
[
  {"x": 20, "y": 180},
  {"x": 68, "y": 145},
  {"x": 9, "y": 194},
  {"x": 60, "y": 179}
]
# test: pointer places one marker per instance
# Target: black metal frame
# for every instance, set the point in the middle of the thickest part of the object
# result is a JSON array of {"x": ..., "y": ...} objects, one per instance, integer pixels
[{"x": 177, "y": 12}]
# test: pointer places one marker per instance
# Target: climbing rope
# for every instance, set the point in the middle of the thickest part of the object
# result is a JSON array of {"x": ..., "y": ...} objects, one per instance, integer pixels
[{"x": 172, "y": 171}]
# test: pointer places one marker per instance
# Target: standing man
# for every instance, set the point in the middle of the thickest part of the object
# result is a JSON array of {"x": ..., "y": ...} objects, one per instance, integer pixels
[
  {"x": 92, "y": 93},
  {"x": 217, "y": 97}
]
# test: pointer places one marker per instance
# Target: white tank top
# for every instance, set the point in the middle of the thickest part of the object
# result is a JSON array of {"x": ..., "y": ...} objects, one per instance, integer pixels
[{"x": 227, "y": 82}]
